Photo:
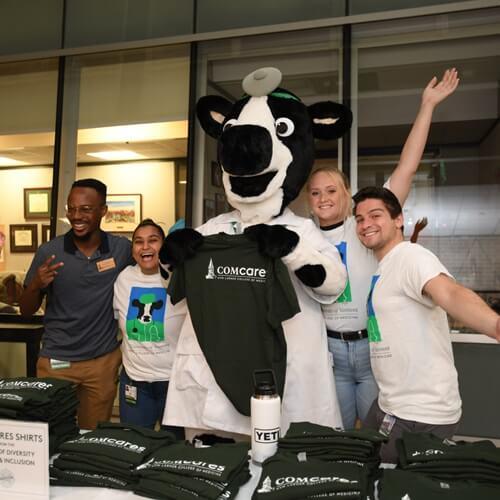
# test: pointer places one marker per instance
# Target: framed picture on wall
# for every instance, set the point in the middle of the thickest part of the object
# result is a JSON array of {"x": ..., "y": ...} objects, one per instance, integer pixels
[
  {"x": 124, "y": 213},
  {"x": 3, "y": 245},
  {"x": 23, "y": 238},
  {"x": 45, "y": 233},
  {"x": 37, "y": 203}
]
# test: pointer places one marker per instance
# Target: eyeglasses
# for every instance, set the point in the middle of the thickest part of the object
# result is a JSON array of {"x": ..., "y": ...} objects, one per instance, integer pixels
[{"x": 84, "y": 209}]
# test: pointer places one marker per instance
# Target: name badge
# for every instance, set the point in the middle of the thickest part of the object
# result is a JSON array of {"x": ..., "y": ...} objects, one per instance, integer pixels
[
  {"x": 106, "y": 264},
  {"x": 130, "y": 394},
  {"x": 387, "y": 424}
]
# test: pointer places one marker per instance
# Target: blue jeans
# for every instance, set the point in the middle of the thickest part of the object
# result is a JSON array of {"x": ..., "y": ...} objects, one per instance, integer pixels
[
  {"x": 149, "y": 405},
  {"x": 356, "y": 387}
]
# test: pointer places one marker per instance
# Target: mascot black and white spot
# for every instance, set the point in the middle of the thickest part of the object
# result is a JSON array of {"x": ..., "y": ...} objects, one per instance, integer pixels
[{"x": 266, "y": 152}]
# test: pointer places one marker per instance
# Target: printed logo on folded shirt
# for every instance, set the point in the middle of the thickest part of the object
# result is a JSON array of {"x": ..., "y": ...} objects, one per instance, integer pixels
[
  {"x": 107, "y": 441},
  {"x": 24, "y": 384},
  {"x": 183, "y": 465},
  {"x": 346, "y": 295},
  {"x": 372, "y": 326},
  {"x": 427, "y": 453},
  {"x": 11, "y": 397},
  {"x": 235, "y": 273},
  {"x": 292, "y": 481}
]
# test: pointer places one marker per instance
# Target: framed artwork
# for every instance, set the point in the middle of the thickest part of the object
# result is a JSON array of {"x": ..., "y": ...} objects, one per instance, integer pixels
[
  {"x": 23, "y": 238},
  {"x": 37, "y": 203},
  {"x": 216, "y": 174},
  {"x": 3, "y": 244},
  {"x": 220, "y": 203},
  {"x": 45, "y": 233},
  {"x": 124, "y": 213},
  {"x": 208, "y": 208}
]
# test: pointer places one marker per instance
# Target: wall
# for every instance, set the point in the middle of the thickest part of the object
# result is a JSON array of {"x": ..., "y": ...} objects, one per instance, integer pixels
[
  {"x": 13, "y": 183},
  {"x": 473, "y": 261},
  {"x": 153, "y": 179}
]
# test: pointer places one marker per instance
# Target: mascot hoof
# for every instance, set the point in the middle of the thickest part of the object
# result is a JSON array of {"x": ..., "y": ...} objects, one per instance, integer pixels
[
  {"x": 274, "y": 241},
  {"x": 179, "y": 246},
  {"x": 311, "y": 275}
]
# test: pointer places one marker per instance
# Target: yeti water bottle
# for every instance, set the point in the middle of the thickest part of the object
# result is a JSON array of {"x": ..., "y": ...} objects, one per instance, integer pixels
[{"x": 265, "y": 413}]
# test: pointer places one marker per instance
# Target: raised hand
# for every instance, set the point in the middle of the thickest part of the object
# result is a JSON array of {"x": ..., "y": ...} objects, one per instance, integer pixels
[
  {"x": 419, "y": 225},
  {"x": 435, "y": 92},
  {"x": 46, "y": 273}
]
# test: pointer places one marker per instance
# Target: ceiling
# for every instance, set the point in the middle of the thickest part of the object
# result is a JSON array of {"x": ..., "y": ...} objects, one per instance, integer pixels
[{"x": 159, "y": 141}]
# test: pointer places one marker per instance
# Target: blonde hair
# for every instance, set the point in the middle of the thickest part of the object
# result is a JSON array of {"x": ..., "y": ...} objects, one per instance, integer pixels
[{"x": 343, "y": 185}]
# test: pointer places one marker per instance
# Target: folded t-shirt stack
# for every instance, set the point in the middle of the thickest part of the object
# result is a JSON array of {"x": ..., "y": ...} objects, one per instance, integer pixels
[
  {"x": 44, "y": 400},
  {"x": 182, "y": 471},
  {"x": 449, "y": 460},
  {"x": 398, "y": 484},
  {"x": 286, "y": 476},
  {"x": 360, "y": 447},
  {"x": 107, "y": 456}
]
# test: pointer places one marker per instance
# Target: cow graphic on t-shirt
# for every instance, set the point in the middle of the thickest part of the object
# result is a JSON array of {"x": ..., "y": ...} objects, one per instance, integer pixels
[{"x": 145, "y": 315}]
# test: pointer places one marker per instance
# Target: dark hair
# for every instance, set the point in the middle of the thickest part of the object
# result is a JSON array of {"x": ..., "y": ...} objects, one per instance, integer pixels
[
  {"x": 99, "y": 186},
  {"x": 149, "y": 222},
  {"x": 387, "y": 197}
]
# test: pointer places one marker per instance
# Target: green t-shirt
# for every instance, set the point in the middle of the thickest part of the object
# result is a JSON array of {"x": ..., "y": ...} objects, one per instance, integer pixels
[{"x": 237, "y": 299}]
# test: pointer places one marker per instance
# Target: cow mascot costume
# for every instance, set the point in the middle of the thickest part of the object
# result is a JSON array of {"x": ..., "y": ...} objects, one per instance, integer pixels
[{"x": 255, "y": 278}]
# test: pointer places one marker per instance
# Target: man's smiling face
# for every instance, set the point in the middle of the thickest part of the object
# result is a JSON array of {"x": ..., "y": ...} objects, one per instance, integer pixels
[
  {"x": 375, "y": 227},
  {"x": 85, "y": 210}
]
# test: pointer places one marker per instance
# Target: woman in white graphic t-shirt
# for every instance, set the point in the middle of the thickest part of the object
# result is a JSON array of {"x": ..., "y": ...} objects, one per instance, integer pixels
[{"x": 149, "y": 334}]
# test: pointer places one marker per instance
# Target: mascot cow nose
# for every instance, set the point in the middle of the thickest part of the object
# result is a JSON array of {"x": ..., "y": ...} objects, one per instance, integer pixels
[{"x": 245, "y": 149}]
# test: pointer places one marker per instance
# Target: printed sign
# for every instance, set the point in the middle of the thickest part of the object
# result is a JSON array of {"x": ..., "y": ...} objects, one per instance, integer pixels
[{"x": 24, "y": 460}]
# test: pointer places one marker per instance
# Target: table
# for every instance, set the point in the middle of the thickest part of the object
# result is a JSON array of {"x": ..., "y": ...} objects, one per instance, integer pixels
[{"x": 28, "y": 331}]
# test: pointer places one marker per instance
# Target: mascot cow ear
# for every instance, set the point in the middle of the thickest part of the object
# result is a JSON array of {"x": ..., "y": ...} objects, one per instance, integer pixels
[
  {"x": 330, "y": 119},
  {"x": 212, "y": 111}
]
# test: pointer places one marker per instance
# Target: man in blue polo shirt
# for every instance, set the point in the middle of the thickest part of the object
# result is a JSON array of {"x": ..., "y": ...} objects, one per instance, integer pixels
[{"x": 76, "y": 273}]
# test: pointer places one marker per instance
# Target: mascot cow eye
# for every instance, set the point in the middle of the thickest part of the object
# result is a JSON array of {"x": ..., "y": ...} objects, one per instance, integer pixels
[
  {"x": 229, "y": 124},
  {"x": 284, "y": 127}
]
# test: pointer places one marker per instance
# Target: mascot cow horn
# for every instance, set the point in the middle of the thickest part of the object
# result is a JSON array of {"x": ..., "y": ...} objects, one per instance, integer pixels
[{"x": 266, "y": 152}]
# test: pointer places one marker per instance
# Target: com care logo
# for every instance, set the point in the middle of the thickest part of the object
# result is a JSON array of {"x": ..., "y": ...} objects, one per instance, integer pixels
[
  {"x": 235, "y": 273},
  {"x": 295, "y": 481}
]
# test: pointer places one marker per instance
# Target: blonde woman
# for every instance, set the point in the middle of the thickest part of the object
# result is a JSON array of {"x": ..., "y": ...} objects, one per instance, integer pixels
[{"x": 329, "y": 197}]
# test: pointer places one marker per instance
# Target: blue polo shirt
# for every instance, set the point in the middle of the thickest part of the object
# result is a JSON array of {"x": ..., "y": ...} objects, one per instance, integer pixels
[{"x": 79, "y": 321}]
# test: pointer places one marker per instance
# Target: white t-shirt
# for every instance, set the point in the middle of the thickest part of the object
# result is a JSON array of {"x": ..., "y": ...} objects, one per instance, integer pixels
[
  {"x": 149, "y": 333},
  {"x": 411, "y": 353},
  {"x": 348, "y": 313}
]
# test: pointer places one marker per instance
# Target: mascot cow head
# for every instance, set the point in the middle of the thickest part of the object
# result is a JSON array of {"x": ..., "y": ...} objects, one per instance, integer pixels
[{"x": 266, "y": 142}]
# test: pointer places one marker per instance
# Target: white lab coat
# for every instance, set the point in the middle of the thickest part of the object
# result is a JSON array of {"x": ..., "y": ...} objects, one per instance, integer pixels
[{"x": 194, "y": 398}]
